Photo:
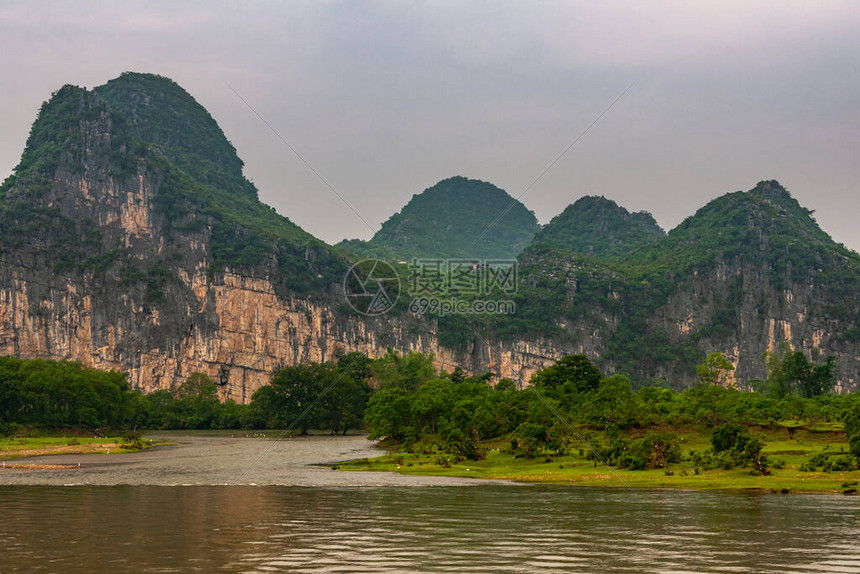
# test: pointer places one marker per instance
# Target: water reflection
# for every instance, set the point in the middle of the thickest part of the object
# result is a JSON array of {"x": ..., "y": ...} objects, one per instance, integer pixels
[{"x": 479, "y": 529}]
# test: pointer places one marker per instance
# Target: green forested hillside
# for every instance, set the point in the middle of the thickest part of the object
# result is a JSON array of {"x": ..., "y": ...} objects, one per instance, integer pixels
[
  {"x": 124, "y": 189},
  {"x": 597, "y": 227},
  {"x": 456, "y": 218}
]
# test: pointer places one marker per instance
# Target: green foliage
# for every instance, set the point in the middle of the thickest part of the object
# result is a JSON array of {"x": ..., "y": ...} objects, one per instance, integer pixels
[
  {"x": 851, "y": 418},
  {"x": 163, "y": 114},
  {"x": 653, "y": 450},
  {"x": 54, "y": 138},
  {"x": 291, "y": 399},
  {"x": 530, "y": 438},
  {"x": 388, "y": 414},
  {"x": 58, "y": 394},
  {"x": 598, "y": 227},
  {"x": 244, "y": 234},
  {"x": 570, "y": 374},
  {"x": 407, "y": 371},
  {"x": 448, "y": 220},
  {"x": 649, "y": 451},
  {"x": 726, "y": 436},
  {"x": 740, "y": 446},
  {"x": 460, "y": 415},
  {"x": 153, "y": 124},
  {"x": 612, "y": 404},
  {"x": 790, "y": 372},
  {"x": 764, "y": 228},
  {"x": 716, "y": 370}
]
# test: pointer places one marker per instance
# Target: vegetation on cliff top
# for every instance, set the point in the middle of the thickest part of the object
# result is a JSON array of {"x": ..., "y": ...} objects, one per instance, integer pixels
[
  {"x": 597, "y": 227},
  {"x": 456, "y": 218},
  {"x": 764, "y": 231},
  {"x": 595, "y": 266}
]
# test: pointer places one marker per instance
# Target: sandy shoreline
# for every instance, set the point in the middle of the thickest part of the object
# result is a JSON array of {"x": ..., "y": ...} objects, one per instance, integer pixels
[{"x": 220, "y": 458}]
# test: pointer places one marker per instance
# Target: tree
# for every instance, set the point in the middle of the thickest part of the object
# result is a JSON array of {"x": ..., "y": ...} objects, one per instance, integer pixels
[
  {"x": 790, "y": 372},
  {"x": 716, "y": 370},
  {"x": 851, "y": 418},
  {"x": 293, "y": 397},
  {"x": 570, "y": 374},
  {"x": 531, "y": 437},
  {"x": 388, "y": 414},
  {"x": 429, "y": 403},
  {"x": 612, "y": 403},
  {"x": 725, "y": 436},
  {"x": 654, "y": 450},
  {"x": 408, "y": 371},
  {"x": 196, "y": 385},
  {"x": 741, "y": 445},
  {"x": 196, "y": 402}
]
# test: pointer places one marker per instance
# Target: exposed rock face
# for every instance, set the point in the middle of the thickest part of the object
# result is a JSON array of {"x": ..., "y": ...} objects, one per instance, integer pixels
[
  {"x": 126, "y": 253},
  {"x": 236, "y": 322},
  {"x": 761, "y": 319}
]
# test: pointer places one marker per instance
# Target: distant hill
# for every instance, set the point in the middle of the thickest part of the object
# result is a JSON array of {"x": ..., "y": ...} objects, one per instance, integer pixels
[
  {"x": 456, "y": 218},
  {"x": 599, "y": 227}
]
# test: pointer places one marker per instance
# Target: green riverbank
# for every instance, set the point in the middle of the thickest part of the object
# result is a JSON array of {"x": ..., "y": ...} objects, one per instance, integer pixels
[
  {"x": 787, "y": 452},
  {"x": 12, "y": 448}
]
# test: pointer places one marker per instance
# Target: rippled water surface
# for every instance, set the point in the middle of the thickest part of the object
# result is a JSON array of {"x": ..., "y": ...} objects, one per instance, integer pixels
[
  {"x": 421, "y": 529},
  {"x": 222, "y": 503}
]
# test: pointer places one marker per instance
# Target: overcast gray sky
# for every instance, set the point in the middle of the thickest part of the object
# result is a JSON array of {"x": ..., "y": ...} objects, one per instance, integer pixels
[{"x": 384, "y": 99}]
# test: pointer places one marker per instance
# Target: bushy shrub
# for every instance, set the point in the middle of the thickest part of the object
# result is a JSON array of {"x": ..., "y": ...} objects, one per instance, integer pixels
[{"x": 531, "y": 437}]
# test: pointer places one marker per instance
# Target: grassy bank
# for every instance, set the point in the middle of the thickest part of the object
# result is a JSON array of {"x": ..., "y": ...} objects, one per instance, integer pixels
[
  {"x": 787, "y": 451},
  {"x": 14, "y": 448}
]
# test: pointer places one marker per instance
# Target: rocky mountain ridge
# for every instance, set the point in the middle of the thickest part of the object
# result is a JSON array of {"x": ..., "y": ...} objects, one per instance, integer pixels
[{"x": 129, "y": 239}]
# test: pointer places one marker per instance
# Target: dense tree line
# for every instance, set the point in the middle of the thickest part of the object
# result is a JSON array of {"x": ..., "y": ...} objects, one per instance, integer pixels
[
  {"x": 569, "y": 402},
  {"x": 64, "y": 394},
  {"x": 402, "y": 399}
]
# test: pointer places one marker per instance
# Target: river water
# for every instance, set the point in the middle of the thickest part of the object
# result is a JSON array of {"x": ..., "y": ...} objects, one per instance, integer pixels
[{"x": 304, "y": 518}]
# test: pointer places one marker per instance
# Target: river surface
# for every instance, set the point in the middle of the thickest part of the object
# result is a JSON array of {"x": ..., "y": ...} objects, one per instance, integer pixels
[
  {"x": 222, "y": 459},
  {"x": 305, "y": 518}
]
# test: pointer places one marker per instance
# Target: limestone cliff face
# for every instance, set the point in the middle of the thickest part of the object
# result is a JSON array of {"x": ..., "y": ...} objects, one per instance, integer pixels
[
  {"x": 235, "y": 322},
  {"x": 200, "y": 323},
  {"x": 755, "y": 317}
]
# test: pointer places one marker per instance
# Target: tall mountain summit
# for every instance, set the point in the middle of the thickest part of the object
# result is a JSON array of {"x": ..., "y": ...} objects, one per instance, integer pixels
[
  {"x": 144, "y": 143},
  {"x": 456, "y": 218}
]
